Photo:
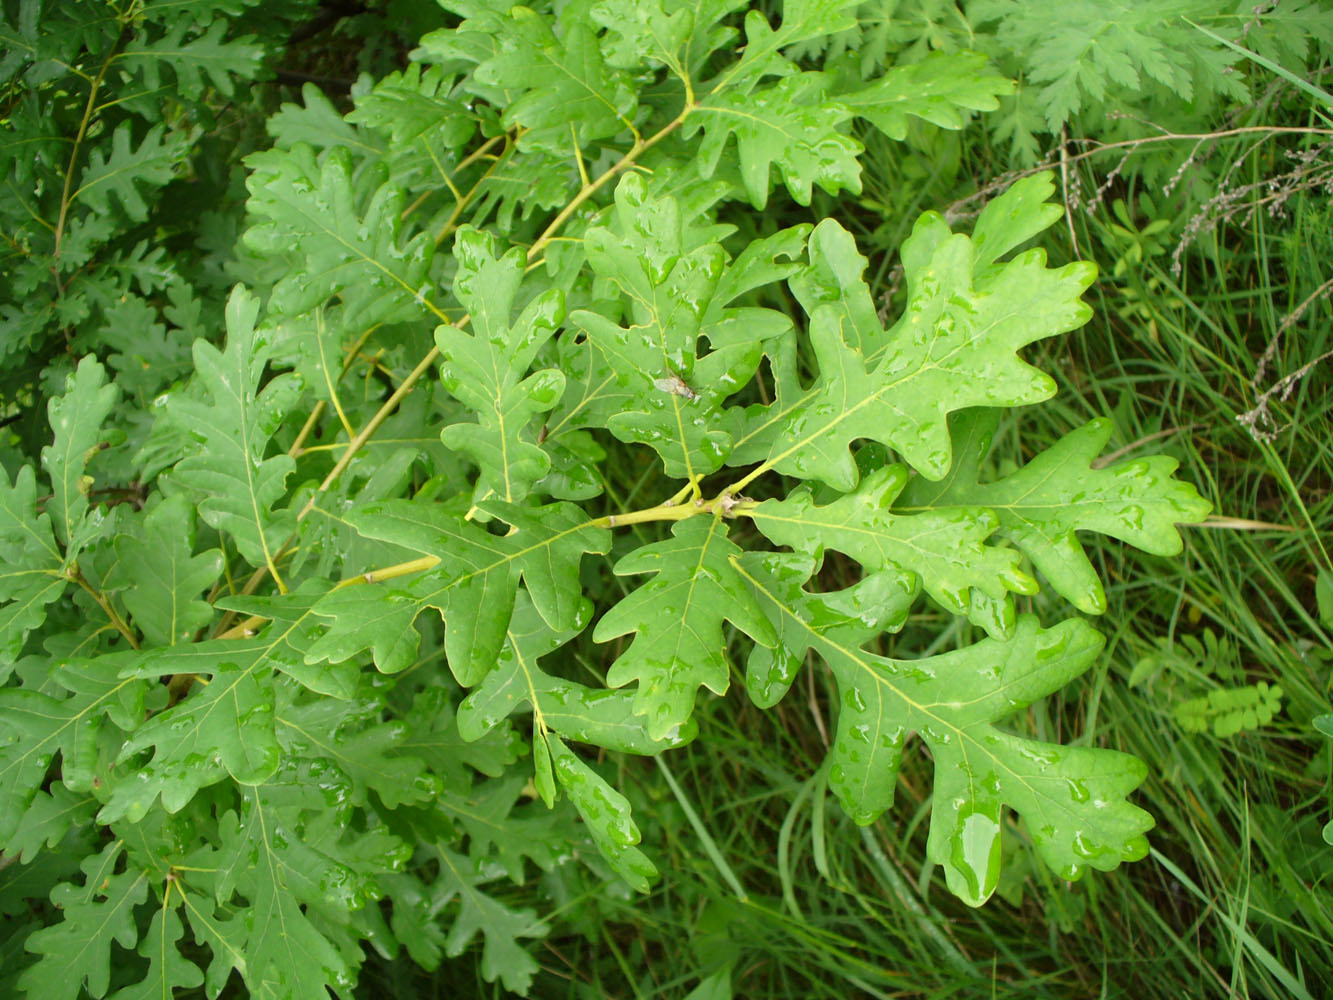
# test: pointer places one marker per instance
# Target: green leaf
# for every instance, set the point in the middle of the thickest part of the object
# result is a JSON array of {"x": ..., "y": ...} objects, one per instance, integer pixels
[
  {"x": 196, "y": 60},
  {"x": 289, "y": 875},
  {"x": 575, "y": 711},
  {"x": 225, "y": 726},
  {"x": 668, "y": 396},
  {"x": 486, "y": 369},
  {"x": 1023, "y": 212},
  {"x": 802, "y": 20},
  {"x": 233, "y": 427},
  {"x": 351, "y": 737},
  {"x": 792, "y": 125},
  {"x": 433, "y": 736},
  {"x": 36, "y": 725},
  {"x": 606, "y": 813},
  {"x": 677, "y": 619},
  {"x": 316, "y": 122},
  {"x": 49, "y": 817},
  {"x": 413, "y": 109},
  {"x": 643, "y": 31},
  {"x": 502, "y": 927},
  {"x": 504, "y": 830},
  {"x": 168, "y": 970},
  {"x": 148, "y": 356},
  {"x": 341, "y": 232},
  {"x": 559, "y": 88},
  {"x": 33, "y": 573},
  {"x": 224, "y": 935},
  {"x": 94, "y": 915},
  {"x": 1323, "y": 593},
  {"x": 1071, "y": 798},
  {"x": 126, "y": 169},
  {"x": 224, "y": 729},
  {"x": 161, "y": 577},
  {"x": 1230, "y": 710},
  {"x": 946, "y": 550},
  {"x": 878, "y": 602},
  {"x": 1078, "y": 55},
  {"x": 1060, "y": 492},
  {"x": 940, "y": 89},
  {"x": 472, "y": 586},
  {"x": 76, "y": 420},
  {"x": 955, "y": 347}
]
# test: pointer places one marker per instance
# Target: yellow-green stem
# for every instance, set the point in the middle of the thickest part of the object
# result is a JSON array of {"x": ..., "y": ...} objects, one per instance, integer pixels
[{"x": 76, "y": 574}]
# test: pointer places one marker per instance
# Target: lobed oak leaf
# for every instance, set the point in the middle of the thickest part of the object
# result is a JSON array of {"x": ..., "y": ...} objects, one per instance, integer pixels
[
  {"x": 945, "y": 550},
  {"x": 94, "y": 916},
  {"x": 677, "y": 619},
  {"x": 240, "y": 484},
  {"x": 473, "y": 585},
  {"x": 1072, "y": 799},
  {"x": 792, "y": 125},
  {"x": 487, "y": 367},
  {"x": 1042, "y": 506},
  {"x": 955, "y": 346}
]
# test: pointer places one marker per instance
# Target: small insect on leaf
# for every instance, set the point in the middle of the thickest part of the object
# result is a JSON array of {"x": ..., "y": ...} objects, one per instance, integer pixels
[{"x": 675, "y": 385}]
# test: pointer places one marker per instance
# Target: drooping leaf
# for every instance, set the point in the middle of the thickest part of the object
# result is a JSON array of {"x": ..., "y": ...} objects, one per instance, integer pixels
[
  {"x": 502, "y": 927},
  {"x": 1072, "y": 799},
  {"x": 605, "y": 811},
  {"x": 573, "y": 710},
  {"x": 677, "y": 619},
  {"x": 1060, "y": 492}
]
